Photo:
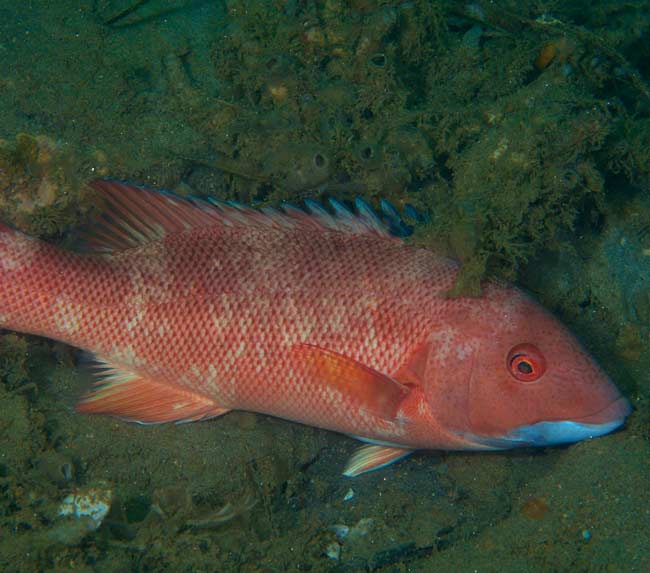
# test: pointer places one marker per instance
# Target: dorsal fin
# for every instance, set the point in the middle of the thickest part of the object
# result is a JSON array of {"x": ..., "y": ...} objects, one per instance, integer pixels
[{"x": 135, "y": 216}]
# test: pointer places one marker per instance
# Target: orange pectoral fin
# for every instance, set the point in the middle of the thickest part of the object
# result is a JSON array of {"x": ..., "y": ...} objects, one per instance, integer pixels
[
  {"x": 134, "y": 398},
  {"x": 414, "y": 369},
  {"x": 377, "y": 393}
]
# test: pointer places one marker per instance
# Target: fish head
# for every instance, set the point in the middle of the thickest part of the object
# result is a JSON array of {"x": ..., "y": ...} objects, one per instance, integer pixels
[{"x": 506, "y": 373}]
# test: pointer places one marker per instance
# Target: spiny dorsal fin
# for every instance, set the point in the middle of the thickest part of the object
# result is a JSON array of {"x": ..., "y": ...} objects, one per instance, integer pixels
[{"x": 135, "y": 216}]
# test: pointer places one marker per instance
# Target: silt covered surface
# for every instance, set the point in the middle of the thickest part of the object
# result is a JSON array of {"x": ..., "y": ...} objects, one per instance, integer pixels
[{"x": 520, "y": 131}]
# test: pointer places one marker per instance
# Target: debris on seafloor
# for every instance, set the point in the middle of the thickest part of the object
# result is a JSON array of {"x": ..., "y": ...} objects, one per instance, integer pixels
[
  {"x": 227, "y": 513},
  {"x": 362, "y": 528},
  {"x": 535, "y": 508},
  {"x": 341, "y": 531},
  {"x": 83, "y": 512},
  {"x": 42, "y": 183},
  {"x": 333, "y": 551},
  {"x": 92, "y": 502}
]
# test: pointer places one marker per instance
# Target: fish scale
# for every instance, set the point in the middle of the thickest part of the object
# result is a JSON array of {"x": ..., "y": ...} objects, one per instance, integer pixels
[{"x": 192, "y": 309}]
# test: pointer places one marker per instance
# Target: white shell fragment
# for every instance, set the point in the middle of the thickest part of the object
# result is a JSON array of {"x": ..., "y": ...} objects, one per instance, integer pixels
[
  {"x": 92, "y": 502},
  {"x": 349, "y": 495}
]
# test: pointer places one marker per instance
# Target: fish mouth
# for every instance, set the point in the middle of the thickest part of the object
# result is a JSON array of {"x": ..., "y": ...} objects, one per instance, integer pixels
[
  {"x": 556, "y": 432},
  {"x": 568, "y": 431}
]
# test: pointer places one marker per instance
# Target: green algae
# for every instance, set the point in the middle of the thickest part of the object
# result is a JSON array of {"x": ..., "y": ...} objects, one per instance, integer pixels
[
  {"x": 520, "y": 128},
  {"x": 42, "y": 183}
]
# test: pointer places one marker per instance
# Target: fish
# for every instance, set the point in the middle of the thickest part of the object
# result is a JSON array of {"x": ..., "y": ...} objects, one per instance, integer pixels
[{"x": 190, "y": 308}]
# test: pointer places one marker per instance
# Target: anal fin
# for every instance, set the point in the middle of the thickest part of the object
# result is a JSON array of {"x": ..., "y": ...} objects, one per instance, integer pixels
[
  {"x": 373, "y": 457},
  {"x": 135, "y": 398}
]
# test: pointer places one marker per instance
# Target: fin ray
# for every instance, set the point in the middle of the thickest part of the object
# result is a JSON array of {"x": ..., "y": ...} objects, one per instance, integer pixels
[
  {"x": 377, "y": 393},
  {"x": 373, "y": 457},
  {"x": 126, "y": 395},
  {"x": 135, "y": 215}
]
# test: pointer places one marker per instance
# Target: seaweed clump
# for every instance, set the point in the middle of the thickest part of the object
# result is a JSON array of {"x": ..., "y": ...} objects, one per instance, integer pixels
[
  {"x": 506, "y": 121},
  {"x": 501, "y": 121},
  {"x": 311, "y": 101},
  {"x": 531, "y": 115},
  {"x": 41, "y": 183}
]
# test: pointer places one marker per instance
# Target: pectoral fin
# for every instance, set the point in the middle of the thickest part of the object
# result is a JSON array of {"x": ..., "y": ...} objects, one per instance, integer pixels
[
  {"x": 414, "y": 369},
  {"x": 373, "y": 457},
  {"x": 376, "y": 393},
  {"x": 135, "y": 398}
]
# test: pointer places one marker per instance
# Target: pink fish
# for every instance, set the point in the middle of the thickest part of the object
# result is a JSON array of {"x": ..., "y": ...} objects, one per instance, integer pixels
[{"x": 194, "y": 308}]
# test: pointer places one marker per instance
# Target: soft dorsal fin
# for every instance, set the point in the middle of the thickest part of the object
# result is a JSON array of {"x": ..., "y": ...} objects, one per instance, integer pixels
[{"x": 135, "y": 216}]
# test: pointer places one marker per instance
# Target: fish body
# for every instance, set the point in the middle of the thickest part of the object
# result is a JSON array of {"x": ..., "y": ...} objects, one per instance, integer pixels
[{"x": 192, "y": 309}]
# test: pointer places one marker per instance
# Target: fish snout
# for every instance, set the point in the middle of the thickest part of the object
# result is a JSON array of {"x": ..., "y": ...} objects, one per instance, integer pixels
[{"x": 616, "y": 411}]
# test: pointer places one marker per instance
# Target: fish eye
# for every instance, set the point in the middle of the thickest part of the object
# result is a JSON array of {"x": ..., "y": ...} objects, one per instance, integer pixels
[{"x": 526, "y": 363}]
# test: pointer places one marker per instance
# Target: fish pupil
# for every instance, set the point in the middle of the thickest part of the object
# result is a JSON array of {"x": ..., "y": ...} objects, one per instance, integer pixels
[{"x": 525, "y": 367}]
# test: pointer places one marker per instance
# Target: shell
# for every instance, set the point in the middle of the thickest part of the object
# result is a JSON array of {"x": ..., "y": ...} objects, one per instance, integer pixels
[{"x": 92, "y": 502}]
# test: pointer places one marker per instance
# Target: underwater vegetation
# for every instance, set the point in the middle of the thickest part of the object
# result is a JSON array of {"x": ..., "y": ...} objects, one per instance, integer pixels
[
  {"x": 502, "y": 135},
  {"x": 504, "y": 121},
  {"x": 42, "y": 183},
  {"x": 522, "y": 131}
]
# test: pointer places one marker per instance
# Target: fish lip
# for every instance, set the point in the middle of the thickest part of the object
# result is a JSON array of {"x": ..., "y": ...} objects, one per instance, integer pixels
[
  {"x": 556, "y": 432},
  {"x": 617, "y": 410}
]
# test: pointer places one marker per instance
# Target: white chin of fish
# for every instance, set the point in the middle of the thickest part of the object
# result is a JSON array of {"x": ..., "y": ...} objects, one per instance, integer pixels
[
  {"x": 555, "y": 433},
  {"x": 561, "y": 431}
]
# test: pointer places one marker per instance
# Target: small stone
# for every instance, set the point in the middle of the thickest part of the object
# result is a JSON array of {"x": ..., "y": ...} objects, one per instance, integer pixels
[
  {"x": 278, "y": 92},
  {"x": 362, "y": 528},
  {"x": 333, "y": 551},
  {"x": 341, "y": 530}
]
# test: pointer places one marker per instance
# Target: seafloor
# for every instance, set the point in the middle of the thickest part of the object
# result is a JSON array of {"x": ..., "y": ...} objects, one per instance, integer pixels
[{"x": 520, "y": 129}]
